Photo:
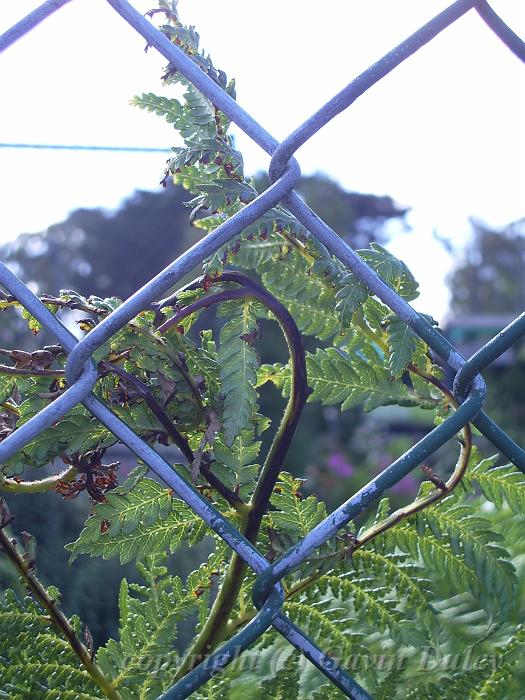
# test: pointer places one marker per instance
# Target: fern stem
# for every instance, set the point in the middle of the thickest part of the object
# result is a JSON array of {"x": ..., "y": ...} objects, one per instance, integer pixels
[
  {"x": 10, "y": 408},
  {"x": 394, "y": 518},
  {"x": 88, "y": 308},
  {"x": 58, "y": 618},
  {"x": 216, "y": 627},
  {"x": 31, "y": 372},
  {"x": 435, "y": 381},
  {"x": 54, "y": 301},
  {"x": 184, "y": 372},
  {"x": 232, "y": 498},
  {"x": 155, "y": 407},
  {"x": 176, "y": 361},
  {"x": 411, "y": 367},
  {"x": 360, "y": 322},
  {"x": 39, "y": 485},
  {"x": 298, "y": 246},
  {"x": 421, "y": 503}
]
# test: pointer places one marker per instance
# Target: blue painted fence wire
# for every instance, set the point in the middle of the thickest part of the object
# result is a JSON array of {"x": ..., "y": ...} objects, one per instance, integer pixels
[{"x": 284, "y": 171}]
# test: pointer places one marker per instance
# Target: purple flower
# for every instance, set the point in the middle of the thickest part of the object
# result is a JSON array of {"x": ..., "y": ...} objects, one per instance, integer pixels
[
  {"x": 339, "y": 464},
  {"x": 408, "y": 484}
]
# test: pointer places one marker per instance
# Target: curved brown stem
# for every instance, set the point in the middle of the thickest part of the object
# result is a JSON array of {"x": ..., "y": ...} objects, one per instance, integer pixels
[{"x": 215, "y": 629}]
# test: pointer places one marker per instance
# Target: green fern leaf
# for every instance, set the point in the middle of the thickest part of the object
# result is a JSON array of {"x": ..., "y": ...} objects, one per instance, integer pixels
[
  {"x": 329, "y": 626},
  {"x": 235, "y": 465},
  {"x": 337, "y": 378},
  {"x": 374, "y": 605},
  {"x": 285, "y": 683},
  {"x": 253, "y": 253},
  {"x": 471, "y": 537},
  {"x": 203, "y": 363},
  {"x": 396, "y": 572},
  {"x": 217, "y": 688},
  {"x": 294, "y": 515},
  {"x": 489, "y": 680},
  {"x": 35, "y": 661},
  {"x": 350, "y": 296},
  {"x": 257, "y": 243},
  {"x": 499, "y": 485},
  {"x": 391, "y": 270},
  {"x": 277, "y": 374},
  {"x": 458, "y": 546},
  {"x": 149, "y": 617},
  {"x": 328, "y": 691},
  {"x": 218, "y": 195},
  {"x": 205, "y": 151},
  {"x": 387, "y": 689},
  {"x": 239, "y": 362},
  {"x": 134, "y": 523},
  {"x": 308, "y": 298},
  {"x": 169, "y": 108},
  {"x": 353, "y": 293},
  {"x": 7, "y": 384},
  {"x": 78, "y": 431},
  {"x": 510, "y": 655},
  {"x": 402, "y": 345}
]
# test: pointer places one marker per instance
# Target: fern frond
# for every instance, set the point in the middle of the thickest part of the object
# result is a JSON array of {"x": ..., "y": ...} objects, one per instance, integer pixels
[
  {"x": 256, "y": 249},
  {"x": 239, "y": 362},
  {"x": 285, "y": 683},
  {"x": 494, "y": 685},
  {"x": 308, "y": 298},
  {"x": 471, "y": 537},
  {"x": 489, "y": 680},
  {"x": 235, "y": 465},
  {"x": 217, "y": 688},
  {"x": 207, "y": 151},
  {"x": 148, "y": 629},
  {"x": 77, "y": 431},
  {"x": 373, "y": 604},
  {"x": 202, "y": 363},
  {"x": 352, "y": 293},
  {"x": 391, "y": 270},
  {"x": 257, "y": 243},
  {"x": 219, "y": 195},
  {"x": 329, "y": 627},
  {"x": 135, "y": 523},
  {"x": 387, "y": 689},
  {"x": 35, "y": 661},
  {"x": 396, "y": 572},
  {"x": 503, "y": 484},
  {"x": 169, "y": 108},
  {"x": 402, "y": 345},
  {"x": 327, "y": 691},
  {"x": 459, "y": 546},
  {"x": 337, "y": 378},
  {"x": 294, "y": 515},
  {"x": 277, "y": 374}
]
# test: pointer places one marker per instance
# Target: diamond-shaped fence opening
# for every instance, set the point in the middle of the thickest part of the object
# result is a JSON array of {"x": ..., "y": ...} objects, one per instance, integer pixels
[{"x": 469, "y": 388}]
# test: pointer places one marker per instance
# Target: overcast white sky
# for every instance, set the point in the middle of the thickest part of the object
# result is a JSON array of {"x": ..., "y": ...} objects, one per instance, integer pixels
[{"x": 444, "y": 133}]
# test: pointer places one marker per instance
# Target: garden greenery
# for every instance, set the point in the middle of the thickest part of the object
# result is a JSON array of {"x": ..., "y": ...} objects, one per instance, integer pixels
[{"x": 441, "y": 573}]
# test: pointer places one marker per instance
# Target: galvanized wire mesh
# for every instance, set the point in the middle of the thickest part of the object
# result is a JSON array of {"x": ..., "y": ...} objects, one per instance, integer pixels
[{"x": 469, "y": 387}]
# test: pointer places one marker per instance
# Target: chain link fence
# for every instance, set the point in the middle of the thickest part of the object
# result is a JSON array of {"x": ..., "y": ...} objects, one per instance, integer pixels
[{"x": 469, "y": 387}]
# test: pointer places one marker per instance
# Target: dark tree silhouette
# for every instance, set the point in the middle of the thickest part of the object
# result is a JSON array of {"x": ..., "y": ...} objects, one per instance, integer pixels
[{"x": 489, "y": 278}]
